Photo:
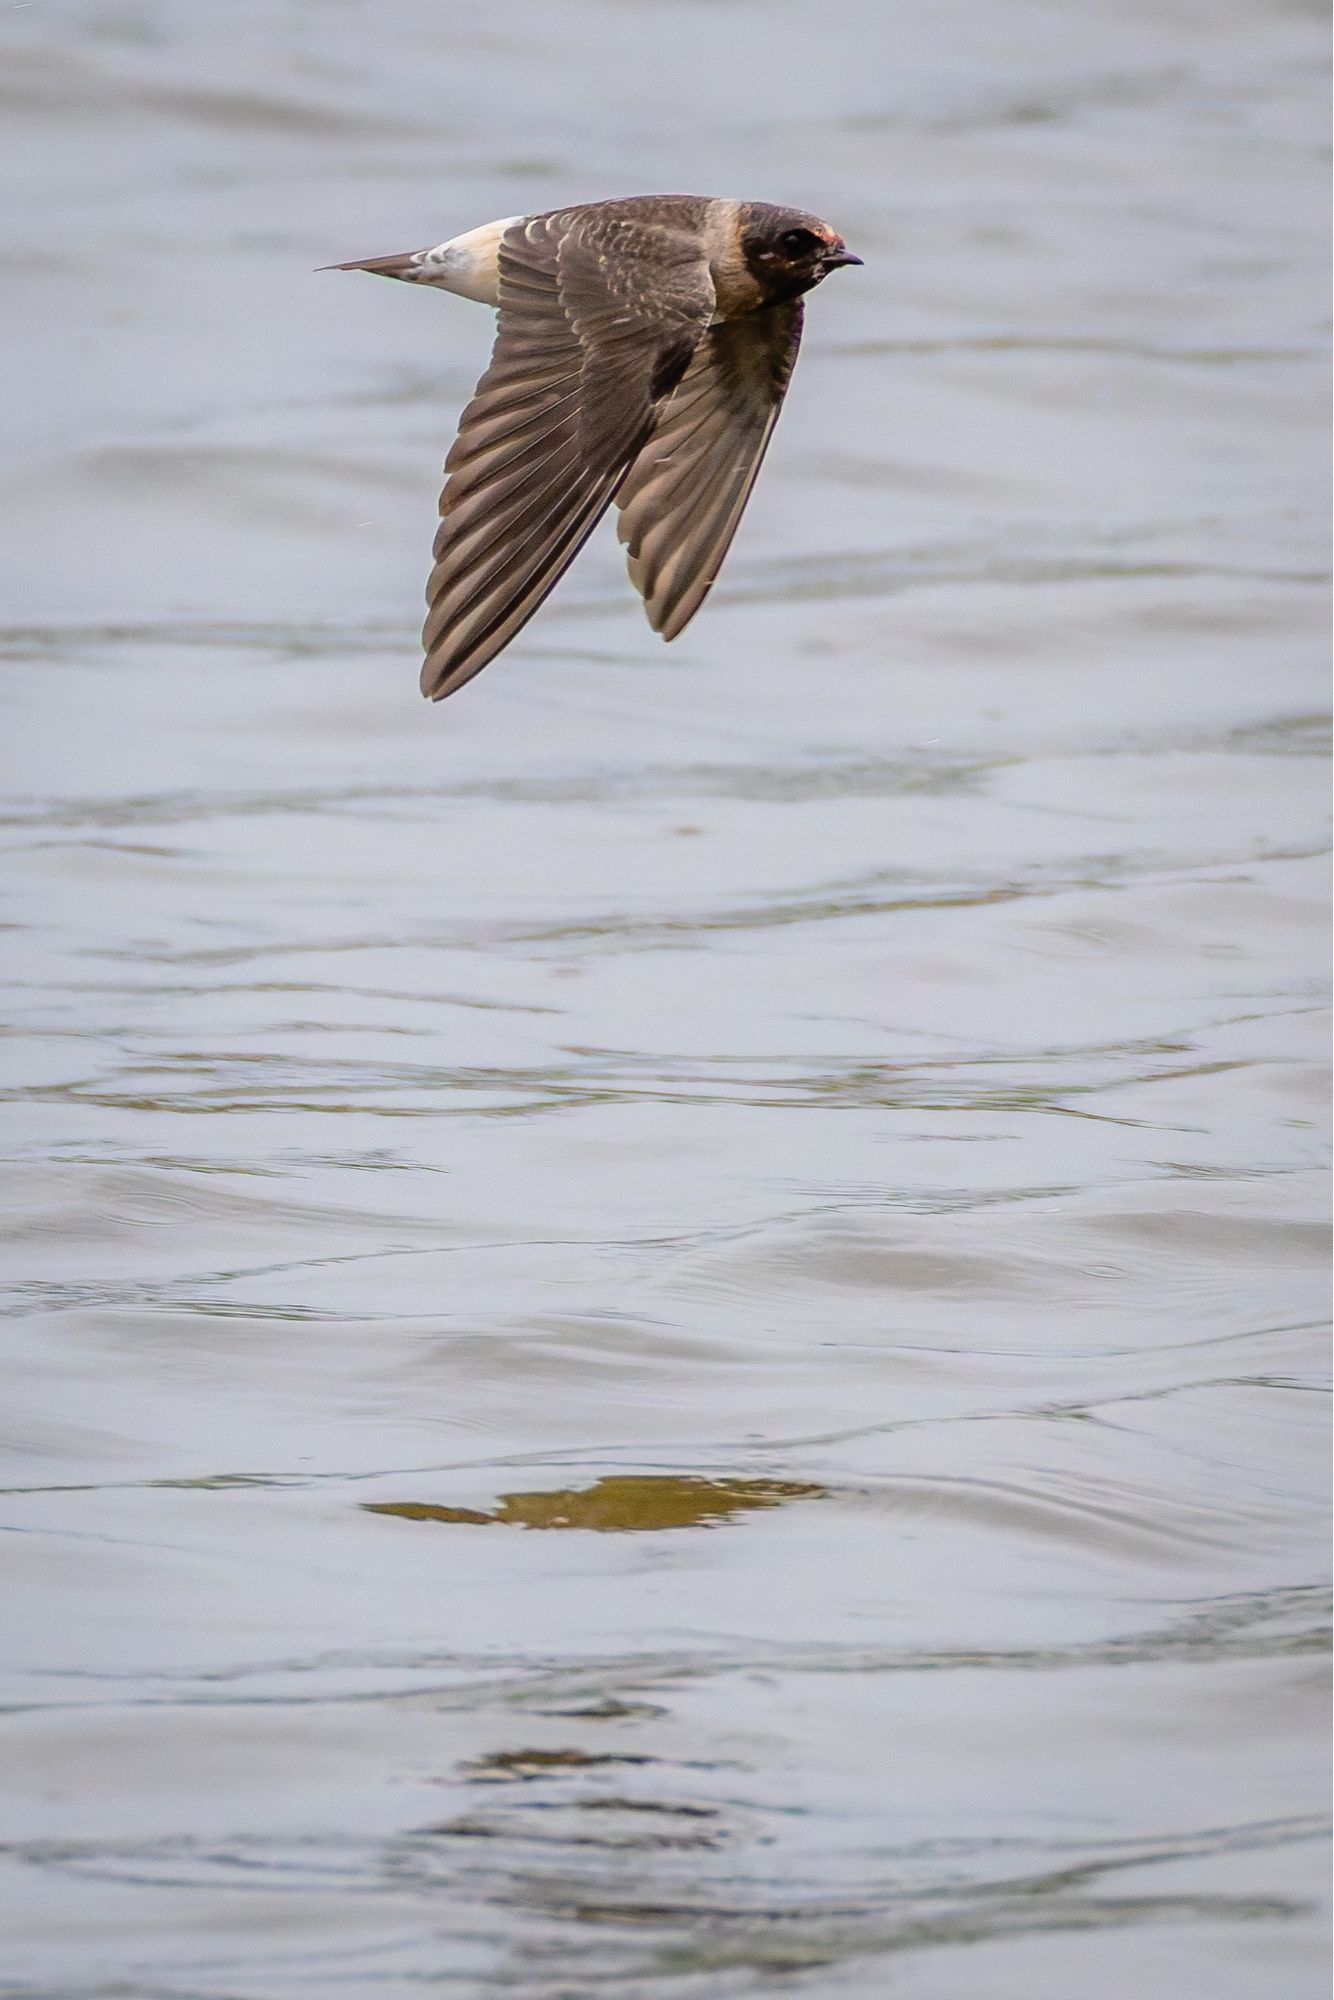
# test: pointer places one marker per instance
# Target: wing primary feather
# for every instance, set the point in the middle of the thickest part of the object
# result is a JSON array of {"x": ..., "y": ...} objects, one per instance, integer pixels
[
  {"x": 589, "y": 343},
  {"x": 688, "y": 488},
  {"x": 544, "y": 517},
  {"x": 446, "y": 669}
]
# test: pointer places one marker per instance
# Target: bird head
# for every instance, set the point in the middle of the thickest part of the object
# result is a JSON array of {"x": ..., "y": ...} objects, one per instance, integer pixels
[{"x": 789, "y": 252}]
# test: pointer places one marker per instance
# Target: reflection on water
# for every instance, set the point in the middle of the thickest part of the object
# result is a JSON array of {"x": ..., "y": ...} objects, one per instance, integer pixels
[
  {"x": 515, "y": 1766},
  {"x": 872, "y": 1052},
  {"x": 618, "y": 1505}
]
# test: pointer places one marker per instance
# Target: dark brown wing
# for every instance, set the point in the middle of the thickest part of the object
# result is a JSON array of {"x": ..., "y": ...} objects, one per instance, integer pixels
[
  {"x": 599, "y": 317},
  {"x": 687, "y": 489}
]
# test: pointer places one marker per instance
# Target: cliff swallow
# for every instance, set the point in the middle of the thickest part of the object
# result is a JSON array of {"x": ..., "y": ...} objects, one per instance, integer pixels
[{"x": 642, "y": 354}]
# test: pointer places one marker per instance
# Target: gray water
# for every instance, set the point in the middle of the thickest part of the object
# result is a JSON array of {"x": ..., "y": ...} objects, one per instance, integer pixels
[{"x": 662, "y": 1326}]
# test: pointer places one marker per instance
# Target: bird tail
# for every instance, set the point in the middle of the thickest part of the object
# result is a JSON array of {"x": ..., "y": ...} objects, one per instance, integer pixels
[{"x": 403, "y": 264}]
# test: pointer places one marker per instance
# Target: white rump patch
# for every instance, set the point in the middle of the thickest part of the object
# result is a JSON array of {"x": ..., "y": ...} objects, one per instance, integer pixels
[{"x": 468, "y": 264}]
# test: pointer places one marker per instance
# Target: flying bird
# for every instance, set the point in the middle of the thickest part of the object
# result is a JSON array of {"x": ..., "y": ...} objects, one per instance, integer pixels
[{"x": 642, "y": 354}]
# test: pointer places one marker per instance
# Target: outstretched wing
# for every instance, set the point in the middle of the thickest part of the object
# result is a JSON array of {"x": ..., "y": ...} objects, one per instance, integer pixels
[
  {"x": 599, "y": 317},
  {"x": 685, "y": 494}
]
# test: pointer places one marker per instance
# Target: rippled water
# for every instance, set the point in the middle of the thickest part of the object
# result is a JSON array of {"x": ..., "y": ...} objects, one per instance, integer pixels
[{"x": 829, "y": 1117}]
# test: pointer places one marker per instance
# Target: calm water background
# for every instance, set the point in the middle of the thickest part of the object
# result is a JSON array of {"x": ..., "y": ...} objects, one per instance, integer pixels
[{"x": 662, "y": 1326}]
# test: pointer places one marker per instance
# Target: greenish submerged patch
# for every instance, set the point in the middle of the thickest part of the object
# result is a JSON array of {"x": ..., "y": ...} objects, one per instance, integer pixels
[{"x": 618, "y": 1505}]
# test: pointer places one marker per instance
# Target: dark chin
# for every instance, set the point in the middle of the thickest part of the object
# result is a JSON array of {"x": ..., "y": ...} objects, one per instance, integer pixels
[{"x": 783, "y": 290}]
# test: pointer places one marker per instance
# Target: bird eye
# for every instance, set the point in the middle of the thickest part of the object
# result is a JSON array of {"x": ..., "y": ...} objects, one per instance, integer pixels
[{"x": 798, "y": 242}]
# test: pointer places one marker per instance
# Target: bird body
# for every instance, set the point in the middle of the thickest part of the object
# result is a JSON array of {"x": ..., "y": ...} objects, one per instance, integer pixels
[{"x": 643, "y": 351}]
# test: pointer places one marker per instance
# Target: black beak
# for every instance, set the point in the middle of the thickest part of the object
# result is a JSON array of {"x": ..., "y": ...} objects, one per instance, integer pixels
[{"x": 833, "y": 258}]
